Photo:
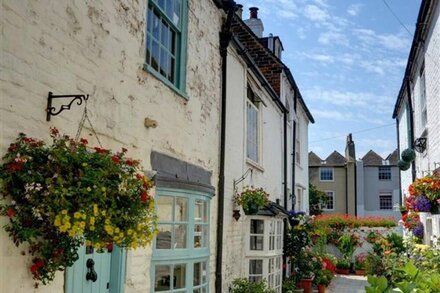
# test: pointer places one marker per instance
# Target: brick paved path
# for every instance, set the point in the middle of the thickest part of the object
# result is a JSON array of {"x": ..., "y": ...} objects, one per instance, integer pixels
[{"x": 347, "y": 284}]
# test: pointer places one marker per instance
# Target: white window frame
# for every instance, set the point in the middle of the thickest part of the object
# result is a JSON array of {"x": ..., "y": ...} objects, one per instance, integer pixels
[
  {"x": 387, "y": 194},
  {"x": 249, "y": 103},
  {"x": 274, "y": 236},
  {"x": 383, "y": 172},
  {"x": 327, "y": 180},
  {"x": 329, "y": 193}
]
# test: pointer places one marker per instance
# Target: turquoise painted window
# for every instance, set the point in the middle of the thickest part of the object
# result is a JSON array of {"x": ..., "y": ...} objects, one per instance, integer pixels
[
  {"x": 166, "y": 41},
  {"x": 181, "y": 247}
]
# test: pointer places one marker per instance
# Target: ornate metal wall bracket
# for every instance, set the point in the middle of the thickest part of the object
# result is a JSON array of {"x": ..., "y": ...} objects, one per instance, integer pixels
[
  {"x": 420, "y": 144},
  {"x": 52, "y": 111}
]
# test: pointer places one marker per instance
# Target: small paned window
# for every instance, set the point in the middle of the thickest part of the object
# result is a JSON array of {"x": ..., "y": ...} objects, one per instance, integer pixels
[
  {"x": 423, "y": 108},
  {"x": 330, "y": 203},
  {"x": 255, "y": 270},
  {"x": 386, "y": 201},
  {"x": 325, "y": 174},
  {"x": 165, "y": 42},
  {"x": 385, "y": 173},
  {"x": 257, "y": 235},
  {"x": 275, "y": 273},
  {"x": 252, "y": 126}
]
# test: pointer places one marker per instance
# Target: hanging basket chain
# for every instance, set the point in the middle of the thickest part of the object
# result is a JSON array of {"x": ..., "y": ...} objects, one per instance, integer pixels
[{"x": 85, "y": 117}]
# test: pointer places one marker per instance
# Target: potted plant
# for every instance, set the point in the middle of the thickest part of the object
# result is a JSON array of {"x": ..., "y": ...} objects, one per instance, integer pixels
[
  {"x": 290, "y": 286},
  {"x": 359, "y": 264},
  {"x": 62, "y": 195},
  {"x": 252, "y": 200},
  {"x": 343, "y": 267},
  {"x": 323, "y": 279},
  {"x": 403, "y": 210}
]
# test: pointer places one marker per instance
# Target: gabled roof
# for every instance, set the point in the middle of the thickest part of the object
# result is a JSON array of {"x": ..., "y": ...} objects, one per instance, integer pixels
[
  {"x": 372, "y": 159},
  {"x": 314, "y": 159},
  {"x": 393, "y": 158},
  {"x": 268, "y": 63},
  {"x": 335, "y": 159}
]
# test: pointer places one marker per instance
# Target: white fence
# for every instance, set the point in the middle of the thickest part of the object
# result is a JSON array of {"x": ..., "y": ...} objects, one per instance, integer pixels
[{"x": 431, "y": 228}]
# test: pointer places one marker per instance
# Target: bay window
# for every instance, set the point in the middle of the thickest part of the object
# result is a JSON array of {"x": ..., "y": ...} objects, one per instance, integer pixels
[{"x": 181, "y": 247}]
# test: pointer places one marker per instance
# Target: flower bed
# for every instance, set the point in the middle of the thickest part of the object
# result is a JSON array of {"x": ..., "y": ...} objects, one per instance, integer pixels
[{"x": 65, "y": 194}]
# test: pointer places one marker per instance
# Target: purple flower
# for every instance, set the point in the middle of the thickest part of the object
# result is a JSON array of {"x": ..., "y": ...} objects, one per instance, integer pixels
[
  {"x": 294, "y": 214},
  {"x": 418, "y": 231},
  {"x": 422, "y": 204}
]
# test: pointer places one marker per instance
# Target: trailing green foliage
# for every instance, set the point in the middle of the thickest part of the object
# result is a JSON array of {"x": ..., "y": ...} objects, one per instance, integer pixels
[{"x": 242, "y": 285}]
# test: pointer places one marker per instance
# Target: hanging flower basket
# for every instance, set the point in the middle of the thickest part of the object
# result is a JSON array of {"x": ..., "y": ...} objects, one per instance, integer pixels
[
  {"x": 65, "y": 194},
  {"x": 252, "y": 200}
]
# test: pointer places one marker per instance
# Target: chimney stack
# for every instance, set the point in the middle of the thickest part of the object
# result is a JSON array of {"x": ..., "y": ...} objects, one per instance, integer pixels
[{"x": 254, "y": 23}]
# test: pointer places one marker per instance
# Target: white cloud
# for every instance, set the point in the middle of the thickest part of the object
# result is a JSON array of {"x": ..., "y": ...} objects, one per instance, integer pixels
[
  {"x": 332, "y": 114},
  {"x": 316, "y": 13},
  {"x": 286, "y": 14},
  {"x": 332, "y": 37},
  {"x": 383, "y": 66},
  {"x": 301, "y": 33},
  {"x": 354, "y": 9},
  {"x": 319, "y": 57},
  {"x": 398, "y": 42}
]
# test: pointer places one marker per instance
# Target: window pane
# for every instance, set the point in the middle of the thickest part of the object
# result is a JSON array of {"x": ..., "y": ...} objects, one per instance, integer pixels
[
  {"x": 165, "y": 36},
  {"x": 255, "y": 267},
  {"x": 252, "y": 132},
  {"x": 176, "y": 12},
  {"x": 200, "y": 273},
  {"x": 181, "y": 210},
  {"x": 326, "y": 174},
  {"x": 198, "y": 210},
  {"x": 255, "y": 278},
  {"x": 198, "y": 236},
  {"x": 257, "y": 227},
  {"x": 162, "y": 278},
  {"x": 180, "y": 232},
  {"x": 155, "y": 55},
  {"x": 163, "y": 238},
  {"x": 256, "y": 243},
  {"x": 179, "y": 276},
  {"x": 163, "y": 65},
  {"x": 155, "y": 22},
  {"x": 164, "y": 208}
]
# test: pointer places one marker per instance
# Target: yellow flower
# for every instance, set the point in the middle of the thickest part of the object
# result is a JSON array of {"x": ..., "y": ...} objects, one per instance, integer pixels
[
  {"x": 82, "y": 225},
  {"x": 107, "y": 221},
  {"x": 117, "y": 230},
  {"x": 129, "y": 232},
  {"x": 88, "y": 242},
  {"x": 95, "y": 209},
  {"x": 92, "y": 220},
  {"x": 72, "y": 233},
  {"x": 103, "y": 212},
  {"x": 57, "y": 222},
  {"x": 84, "y": 164},
  {"x": 89, "y": 189},
  {"x": 103, "y": 189},
  {"x": 77, "y": 215},
  {"x": 92, "y": 228},
  {"x": 64, "y": 212}
]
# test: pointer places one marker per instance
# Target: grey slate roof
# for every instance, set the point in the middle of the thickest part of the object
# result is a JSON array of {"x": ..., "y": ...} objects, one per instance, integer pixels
[
  {"x": 372, "y": 159},
  {"x": 335, "y": 159},
  {"x": 314, "y": 159},
  {"x": 393, "y": 158}
]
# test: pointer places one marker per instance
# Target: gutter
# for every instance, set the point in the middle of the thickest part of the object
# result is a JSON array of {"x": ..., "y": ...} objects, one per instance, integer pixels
[
  {"x": 346, "y": 189},
  {"x": 294, "y": 150},
  {"x": 411, "y": 127},
  {"x": 355, "y": 188},
  {"x": 225, "y": 38}
]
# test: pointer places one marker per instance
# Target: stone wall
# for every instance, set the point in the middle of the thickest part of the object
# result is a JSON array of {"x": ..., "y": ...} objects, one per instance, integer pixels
[{"x": 97, "y": 48}]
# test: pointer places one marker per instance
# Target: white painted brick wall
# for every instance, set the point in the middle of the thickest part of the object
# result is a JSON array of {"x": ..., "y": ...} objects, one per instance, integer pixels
[{"x": 97, "y": 47}]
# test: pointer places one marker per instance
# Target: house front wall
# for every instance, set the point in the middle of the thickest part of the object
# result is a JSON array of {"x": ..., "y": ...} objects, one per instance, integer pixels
[
  {"x": 266, "y": 173},
  {"x": 338, "y": 186},
  {"x": 302, "y": 168},
  {"x": 373, "y": 187},
  {"x": 404, "y": 143},
  {"x": 98, "y": 48}
]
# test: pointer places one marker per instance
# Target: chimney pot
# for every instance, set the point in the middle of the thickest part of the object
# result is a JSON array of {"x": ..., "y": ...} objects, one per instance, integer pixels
[
  {"x": 239, "y": 10},
  {"x": 253, "y": 12}
]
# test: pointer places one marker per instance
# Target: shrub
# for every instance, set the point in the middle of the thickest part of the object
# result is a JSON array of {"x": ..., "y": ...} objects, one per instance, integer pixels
[{"x": 242, "y": 285}]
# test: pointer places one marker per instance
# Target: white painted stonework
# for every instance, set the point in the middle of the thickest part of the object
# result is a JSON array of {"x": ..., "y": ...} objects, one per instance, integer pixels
[{"x": 97, "y": 48}]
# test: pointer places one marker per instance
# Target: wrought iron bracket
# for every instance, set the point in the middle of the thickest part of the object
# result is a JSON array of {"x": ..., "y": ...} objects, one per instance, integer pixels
[
  {"x": 420, "y": 144},
  {"x": 52, "y": 111}
]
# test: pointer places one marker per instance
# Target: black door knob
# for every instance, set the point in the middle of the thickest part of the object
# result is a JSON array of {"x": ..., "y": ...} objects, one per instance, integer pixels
[{"x": 91, "y": 273}]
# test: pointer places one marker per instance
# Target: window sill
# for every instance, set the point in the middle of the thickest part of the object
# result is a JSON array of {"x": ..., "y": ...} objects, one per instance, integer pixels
[
  {"x": 326, "y": 180},
  {"x": 157, "y": 75},
  {"x": 254, "y": 164}
]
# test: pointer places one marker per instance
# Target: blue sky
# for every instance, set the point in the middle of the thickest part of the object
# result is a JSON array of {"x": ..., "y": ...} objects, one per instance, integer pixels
[{"x": 348, "y": 59}]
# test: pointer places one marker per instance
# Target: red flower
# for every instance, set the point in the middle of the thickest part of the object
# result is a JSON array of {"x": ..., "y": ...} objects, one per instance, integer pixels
[
  {"x": 109, "y": 247},
  {"x": 83, "y": 141},
  {"x": 10, "y": 212},
  {"x": 15, "y": 166},
  {"x": 39, "y": 263},
  {"x": 144, "y": 197},
  {"x": 101, "y": 150},
  {"x": 12, "y": 147},
  {"x": 129, "y": 162},
  {"x": 34, "y": 268},
  {"x": 116, "y": 159},
  {"x": 54, "y": 132}
]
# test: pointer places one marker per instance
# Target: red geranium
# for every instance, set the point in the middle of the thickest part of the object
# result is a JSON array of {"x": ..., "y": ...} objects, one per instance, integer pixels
[
  {"x": 10, "y": 212},
  {"x": 116, "y": 159},
  {"x": 144, "y": 196},
  {"x": 34, "y": 268}
]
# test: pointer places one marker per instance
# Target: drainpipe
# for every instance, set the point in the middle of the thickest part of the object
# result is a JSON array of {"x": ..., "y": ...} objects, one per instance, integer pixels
[
  {"x": 285, "y": 113},
  {"x": 294, "y": 149},
  {"x": 398, "y": 152},
  {"x": 346, "y": 188},
  {"x": 355, "y": 189},
  {"x": 411, "y": 125},
  {"x": 225, "y": 38}
]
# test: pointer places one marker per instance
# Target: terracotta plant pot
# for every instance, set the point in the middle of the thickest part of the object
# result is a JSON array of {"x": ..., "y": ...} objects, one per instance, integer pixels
[
  {"x": 343, "y": 271},
  {"x": 306, "y": 284},
  {"x": 321, "y": 288},
  {"x": 360, "y": 272}
]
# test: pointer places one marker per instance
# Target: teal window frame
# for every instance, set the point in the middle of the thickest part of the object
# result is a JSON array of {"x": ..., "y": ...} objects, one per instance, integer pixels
[
  {"x": 189, "y": 255},
  {"x": 179, "y": 85}
]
